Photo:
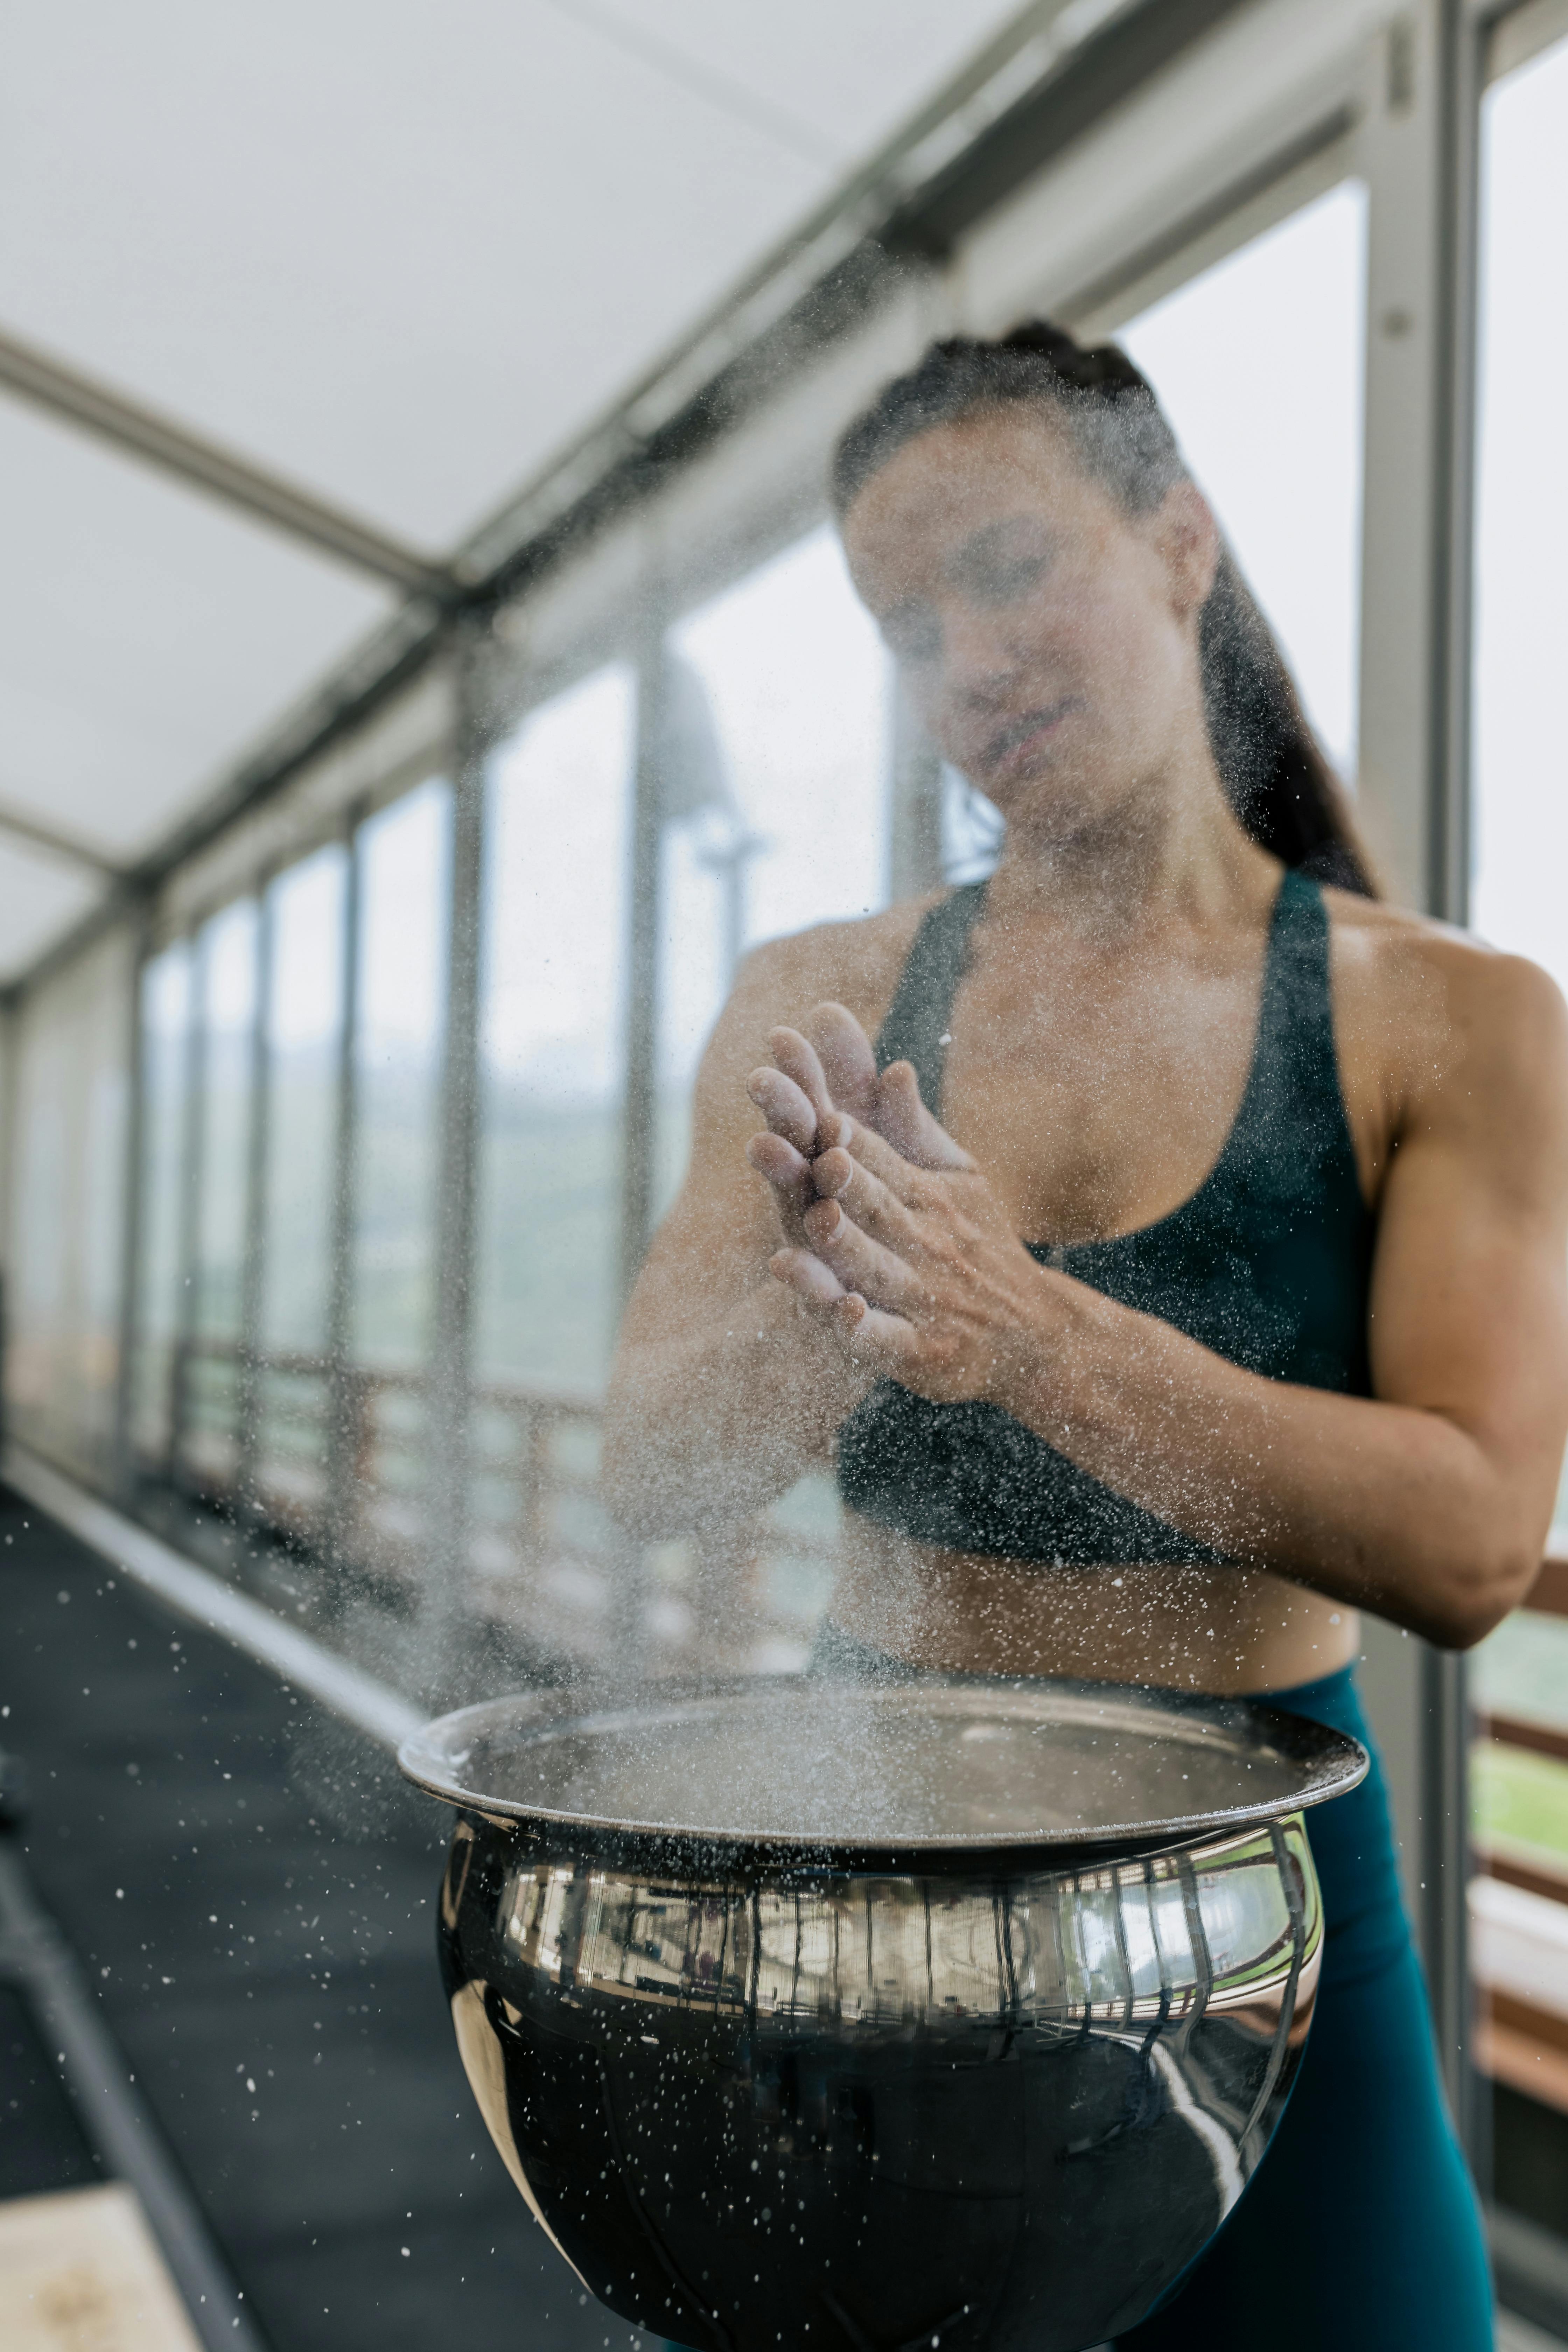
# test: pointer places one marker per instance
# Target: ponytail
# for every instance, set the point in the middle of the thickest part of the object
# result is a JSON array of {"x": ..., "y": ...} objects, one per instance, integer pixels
[{"x": 1276, "y": 773}]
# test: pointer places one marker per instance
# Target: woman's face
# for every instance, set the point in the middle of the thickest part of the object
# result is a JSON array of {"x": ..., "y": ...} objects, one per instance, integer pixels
[{"x": 1047, "y": 638}]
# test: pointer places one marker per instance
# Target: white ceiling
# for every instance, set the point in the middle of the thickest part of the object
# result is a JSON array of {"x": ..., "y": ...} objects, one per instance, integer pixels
[{"x": 397, "y": 254}]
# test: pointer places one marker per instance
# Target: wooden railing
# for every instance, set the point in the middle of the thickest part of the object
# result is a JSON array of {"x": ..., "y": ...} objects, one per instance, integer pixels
[
  {"x": 1522, "y": 1960},
  {"x": 335, "y": 1457}
]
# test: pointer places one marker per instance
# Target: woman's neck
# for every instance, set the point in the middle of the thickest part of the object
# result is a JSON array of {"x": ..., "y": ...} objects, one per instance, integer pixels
[{"x": 1173, "y": 857}]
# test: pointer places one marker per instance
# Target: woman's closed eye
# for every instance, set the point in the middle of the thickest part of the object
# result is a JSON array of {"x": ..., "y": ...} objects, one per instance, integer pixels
[
  {"x": 998, "y": 564},
  {"x": 1004, "y": 583}
]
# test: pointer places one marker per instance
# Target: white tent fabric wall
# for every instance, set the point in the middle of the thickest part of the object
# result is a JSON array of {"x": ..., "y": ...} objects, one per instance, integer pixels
[{"x": 69, "y": 1093}]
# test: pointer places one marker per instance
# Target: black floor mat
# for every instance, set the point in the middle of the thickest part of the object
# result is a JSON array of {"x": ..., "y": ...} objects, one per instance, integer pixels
[
  {"x": 42, "y": 2146},
  {"x": 251, "y": 1890}
]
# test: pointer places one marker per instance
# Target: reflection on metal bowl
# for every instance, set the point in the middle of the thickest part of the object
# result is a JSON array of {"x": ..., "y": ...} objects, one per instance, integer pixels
[{"x": 987, "y": 2064}]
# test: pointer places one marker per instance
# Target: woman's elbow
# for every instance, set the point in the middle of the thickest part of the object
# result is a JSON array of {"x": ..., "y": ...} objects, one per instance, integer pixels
[{"x": 1479, "y": 1595}]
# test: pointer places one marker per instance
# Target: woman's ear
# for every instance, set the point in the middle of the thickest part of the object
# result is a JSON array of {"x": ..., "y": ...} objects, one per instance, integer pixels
[{"x": 1187, "y": 537}]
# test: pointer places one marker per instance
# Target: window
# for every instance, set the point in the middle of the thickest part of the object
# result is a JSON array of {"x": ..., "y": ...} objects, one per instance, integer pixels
[
  {"x": 778, "y": 816},
  {"x": 404, "y": 855},
  {"x": 1258, "y": 364},
  {"x": 227, "y": 981},
  {"x": 1518, "y": 1939},
  {"x": 166, "y": 991},
  {"x": 557, "y": 915},
  {"x": 304, "y": 1032}
]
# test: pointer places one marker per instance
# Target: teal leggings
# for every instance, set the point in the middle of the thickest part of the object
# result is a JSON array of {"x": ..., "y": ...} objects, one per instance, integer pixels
[{"x": 1360, "y": 2229}]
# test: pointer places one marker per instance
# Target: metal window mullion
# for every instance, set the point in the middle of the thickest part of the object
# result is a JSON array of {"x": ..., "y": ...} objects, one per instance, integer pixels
[
  {"x": 639, "y": 1081},
  {"x": 340, "y": 1447},
  {"x": 192, "y": 1156},
  {"x": 123, "y": 1472},
  {"x": 449, "y": 1387},
  {"x": 248, "y": 1398},
  {"x": 1445, "y": 1825},
  {"x": 1417, "y": 151},
  {"x": 915, "y": 815},
  {"x": 639, "y": 1111}
]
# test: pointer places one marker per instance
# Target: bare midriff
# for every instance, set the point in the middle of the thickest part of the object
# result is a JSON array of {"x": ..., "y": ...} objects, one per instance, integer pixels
[{"x": 1217, "y": 1629}]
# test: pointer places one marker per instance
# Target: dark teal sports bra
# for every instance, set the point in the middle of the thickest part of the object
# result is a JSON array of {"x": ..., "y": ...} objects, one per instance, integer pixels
[{"x": 1268, "y": 1262}]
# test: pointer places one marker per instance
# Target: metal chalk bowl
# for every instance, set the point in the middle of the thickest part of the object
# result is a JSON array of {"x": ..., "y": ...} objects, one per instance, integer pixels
[{"x": 940, "y": 2012}]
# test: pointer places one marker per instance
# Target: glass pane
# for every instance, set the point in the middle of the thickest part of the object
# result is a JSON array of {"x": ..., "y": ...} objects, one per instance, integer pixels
[
  {"x": 226, "y": 966},
  {"x": 556, "y": 926},
  {"x": 779, "y": 813},
  {"x": 778, "y": 806},
  {"x": 1519, "y": 1940},
  {"x": 306, "y": 908},
  {"x": 226, "y": 952},
  {"x": 552, "y": 1067},
  {"x": 1521, "y": 809},
  {"x": 1260, "y": 365},
  {"x": 404, "y": 881},
  {"x": 404, "y": 860},
  {"x": 166, "y": 992}
]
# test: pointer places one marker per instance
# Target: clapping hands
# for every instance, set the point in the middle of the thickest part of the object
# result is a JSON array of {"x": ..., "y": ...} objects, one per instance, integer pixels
[{"x": 890, "y": 1235}]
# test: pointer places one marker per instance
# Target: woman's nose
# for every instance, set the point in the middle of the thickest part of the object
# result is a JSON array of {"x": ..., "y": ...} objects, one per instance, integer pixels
[{"x": 980, "y": 657}]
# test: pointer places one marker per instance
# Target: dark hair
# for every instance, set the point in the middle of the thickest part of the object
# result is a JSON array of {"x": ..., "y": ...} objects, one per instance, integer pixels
[{"x": 1275, "y": 771}]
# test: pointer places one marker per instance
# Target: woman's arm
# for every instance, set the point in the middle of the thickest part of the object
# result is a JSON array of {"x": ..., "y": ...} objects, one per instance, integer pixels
[
  {"x": 1429, "y": 1502},
  {"x": 725, "y": 1387}
]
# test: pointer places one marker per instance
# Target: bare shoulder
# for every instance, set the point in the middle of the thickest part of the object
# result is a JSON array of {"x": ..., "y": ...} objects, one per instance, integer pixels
[
  {"x": 1432, "y": 1022},
  {"x": 856, "y": 965}
]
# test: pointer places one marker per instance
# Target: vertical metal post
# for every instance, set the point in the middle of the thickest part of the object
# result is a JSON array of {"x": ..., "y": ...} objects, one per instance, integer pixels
[
  {"x": 341, "y": 1438},
  {"x": 122, "y": 1468},
  {"x": 1418, "y": 144},
  {"x": 247, "y": 1400},
  {"x": 449, "y": 1413},
  {"x": 188, "y": 1298},
  {"x": 915, "y": 831},
  {"x": 639, "y": 1096},
  {"x": 639, "y": 1099},
  {"x": 1445, "y": 1840}
]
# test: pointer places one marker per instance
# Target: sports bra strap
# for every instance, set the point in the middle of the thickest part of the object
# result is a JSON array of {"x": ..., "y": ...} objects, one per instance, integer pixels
[
  {"x": 1294, "y": 1062},
  {"x": 916, "y": 1027}
]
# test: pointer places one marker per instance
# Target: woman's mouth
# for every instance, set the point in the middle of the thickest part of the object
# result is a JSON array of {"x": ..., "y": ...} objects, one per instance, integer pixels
[{"x": 1013, "y": 747}]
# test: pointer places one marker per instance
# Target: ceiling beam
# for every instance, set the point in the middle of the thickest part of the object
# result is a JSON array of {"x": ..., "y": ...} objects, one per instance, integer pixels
[
  {"x": 823, "y": 274},
  {"x": 96, "y": 408},
  {"x": 55, "y": 842}
]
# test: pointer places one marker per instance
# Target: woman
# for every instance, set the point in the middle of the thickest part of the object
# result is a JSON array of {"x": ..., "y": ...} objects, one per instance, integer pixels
[{"x": 1184, "y": 1268}]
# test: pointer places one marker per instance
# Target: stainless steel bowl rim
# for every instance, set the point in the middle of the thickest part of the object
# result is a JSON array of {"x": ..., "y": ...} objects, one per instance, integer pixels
[{"x": 1330, "y": 1762}]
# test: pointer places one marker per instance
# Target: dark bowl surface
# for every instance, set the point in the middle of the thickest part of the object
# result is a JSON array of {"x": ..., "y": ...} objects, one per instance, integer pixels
[{"x": 831, "y": 2017}]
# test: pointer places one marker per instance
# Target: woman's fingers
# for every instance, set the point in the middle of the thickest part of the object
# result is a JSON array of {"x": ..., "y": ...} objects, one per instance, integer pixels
[
  {"x": 882, "y": 1278},
  {"x": 787, "y": 1170},
  {"x": 790, "y": 1177},
  {"x": 796, "y": 1057},
  {"x": 874, "y": 1183},
  {"x": 787, "y": 1109},
  {"x": 869, "y": 1336},
  {"x": 801, "y": 1271},
  {"x": 903, "y": 1119},
  {"x": 849, "y": 1062}
]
